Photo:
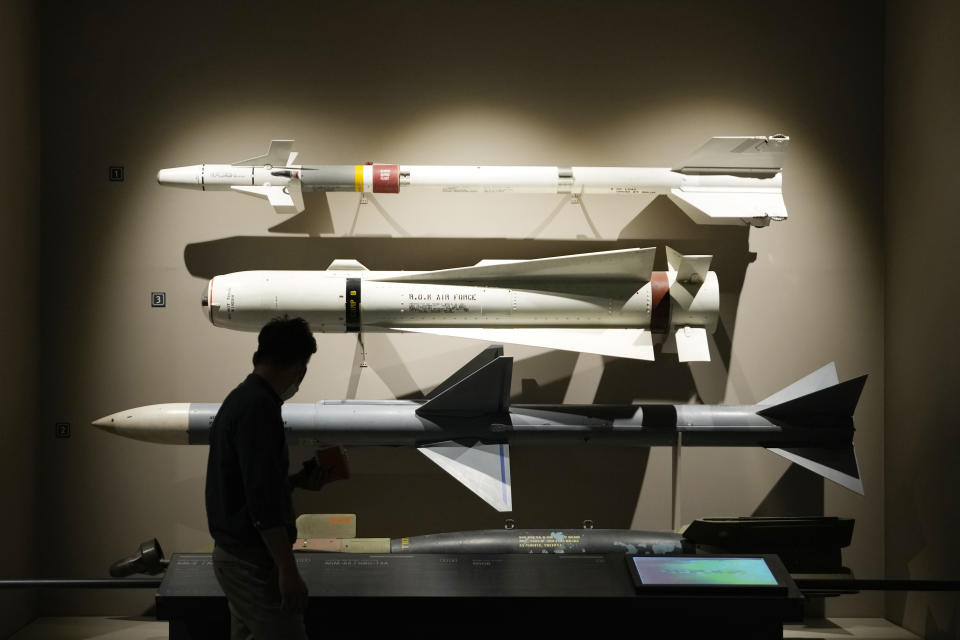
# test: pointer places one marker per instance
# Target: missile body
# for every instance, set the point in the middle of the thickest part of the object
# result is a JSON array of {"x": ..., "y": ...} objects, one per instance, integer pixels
[
  {"x": 804, "y": 544},
  {"x": 729, "y": 177},
  {"x": 546, "y": 541},
  {"x": 411, "y": 423},
  {"x": 609, "y": 303},
  {"x": 467, "y": 424}
]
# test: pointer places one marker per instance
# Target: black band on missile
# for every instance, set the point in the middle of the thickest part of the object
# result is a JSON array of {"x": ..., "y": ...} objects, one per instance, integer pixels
[
  {"x": 352, "y": 306},
  {"x": 659, "y": 415}
]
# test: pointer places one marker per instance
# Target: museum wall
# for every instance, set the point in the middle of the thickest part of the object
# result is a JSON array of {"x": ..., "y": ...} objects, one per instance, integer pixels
[
  {"x": 619, "y": 84},
  {"x": 922, "y": 459},
  {"x": 18, "y": 315}
]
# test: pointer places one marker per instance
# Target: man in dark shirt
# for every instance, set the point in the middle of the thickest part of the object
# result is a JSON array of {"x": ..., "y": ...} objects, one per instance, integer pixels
[{"x": 249, "y": 507}]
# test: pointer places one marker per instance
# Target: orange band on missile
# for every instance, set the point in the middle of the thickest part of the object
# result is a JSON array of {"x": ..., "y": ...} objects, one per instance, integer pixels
[{"x": 358, "y": 178}]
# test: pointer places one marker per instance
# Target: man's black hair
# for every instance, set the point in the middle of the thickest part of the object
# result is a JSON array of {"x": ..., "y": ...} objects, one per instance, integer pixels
[{"x": 284, "y": 341}]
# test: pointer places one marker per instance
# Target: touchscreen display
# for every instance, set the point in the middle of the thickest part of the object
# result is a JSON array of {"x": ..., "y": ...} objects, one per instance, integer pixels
[{"x": 703, "y": 571}]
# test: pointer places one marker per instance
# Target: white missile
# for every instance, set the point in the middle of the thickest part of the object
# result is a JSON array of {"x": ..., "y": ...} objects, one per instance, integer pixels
[
  {"x": 735, "y": 178},
  {"x": 609, "y": 303}
]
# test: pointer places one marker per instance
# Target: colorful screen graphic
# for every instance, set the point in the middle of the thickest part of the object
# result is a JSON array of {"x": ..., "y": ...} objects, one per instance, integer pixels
[{"x": 704, "y": 571}]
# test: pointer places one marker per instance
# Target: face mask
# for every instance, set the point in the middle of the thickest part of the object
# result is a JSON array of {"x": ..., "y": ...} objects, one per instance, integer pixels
[{"x": 290, "y": 391}]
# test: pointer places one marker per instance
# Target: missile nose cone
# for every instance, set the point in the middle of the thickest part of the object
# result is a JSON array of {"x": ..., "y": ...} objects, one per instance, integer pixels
[
  {"x": 107, "y": 423},
  {"x": 189, "y": 177},
  {"x": 163, "y": 423}
]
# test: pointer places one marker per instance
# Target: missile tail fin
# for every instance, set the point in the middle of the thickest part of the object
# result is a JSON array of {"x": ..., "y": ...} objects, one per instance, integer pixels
[
  {"x": 822, "y": 378},
  {"x": 839, "y": 465},
  {"x": 633, "y": 265},
  {"x": 753, "y": 156},
  {"x": 692, "y": 344},
  {"x": 288, "y": 199},
  {"x": 818, "y": 401},
  {"x": 482, "y": 468},
  {"x": 280, "y": 154},
  {"x": 688, "y": 268},
  {"x": 482, "y": 359},
  {"x": 485, "y": 390},
  {"x": 836, "y": 401},
  {"x": 709, "y": 206}
]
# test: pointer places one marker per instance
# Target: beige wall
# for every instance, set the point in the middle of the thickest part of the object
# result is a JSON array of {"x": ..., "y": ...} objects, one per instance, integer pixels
[
  {"x": 639, "y": 84},
  {"x": 922, "y": 458},
  {"x": 18, "y": 315}
]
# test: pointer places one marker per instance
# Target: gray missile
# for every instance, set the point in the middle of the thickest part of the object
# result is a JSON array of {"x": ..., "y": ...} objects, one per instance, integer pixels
[
  {"x": 512, "y": 541},
  {"x": 466, "y": 425},
  {"x": 545, "y": 541},
  {"x": 805, "y": 544}
]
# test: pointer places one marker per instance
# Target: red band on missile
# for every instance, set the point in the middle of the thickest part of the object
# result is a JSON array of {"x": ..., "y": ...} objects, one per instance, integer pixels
[
  {"x": 386, "y": 178},
  {"x": 659, "y": 302},
  {"x": 210, "y": 300}
]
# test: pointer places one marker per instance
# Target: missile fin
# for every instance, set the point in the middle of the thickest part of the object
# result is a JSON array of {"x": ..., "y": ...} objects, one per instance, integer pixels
[
  {"x": 618, "y": 343},
  {"x": 346, "y": 264},
  {"x": 287, "y": 199},
  {"x": 692, "y": 344},
  {"x": 734, "y": 205},
  {"x": 277, "y": 155},
  {"x": 485, "y": 390},
  {"x": 738, "y": 155},
  {"x": 690, "y": 269},
  {"x": 838, "y": 400},
  {"x": 818, "y": 400},
  {"x": 838, "y": 465},
  {"x": 822, "y": 378},
  {"x": 483, "y": 358},
  {"x": 482, "y": 468},
  {"x": 296, "y": 193},
  {"x": 620, "y": 265}
]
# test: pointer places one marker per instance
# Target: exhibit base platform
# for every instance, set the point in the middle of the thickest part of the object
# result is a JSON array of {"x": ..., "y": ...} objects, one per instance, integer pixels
[
  {"x": 557, "y": 593},
  {"x": 115, "y": 628}
]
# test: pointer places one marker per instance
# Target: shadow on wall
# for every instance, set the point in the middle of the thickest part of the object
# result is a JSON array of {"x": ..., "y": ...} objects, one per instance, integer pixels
[
  {"x": 552, "y": 487},
  {"x": 798, "y": 492}
]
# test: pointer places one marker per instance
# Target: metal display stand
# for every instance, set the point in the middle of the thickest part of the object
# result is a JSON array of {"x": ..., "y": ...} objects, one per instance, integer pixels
[{"x": 554, "y": 592}]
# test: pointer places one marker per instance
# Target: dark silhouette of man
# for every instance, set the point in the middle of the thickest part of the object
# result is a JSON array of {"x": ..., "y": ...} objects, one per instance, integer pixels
[{"x": 248, "y": 493}]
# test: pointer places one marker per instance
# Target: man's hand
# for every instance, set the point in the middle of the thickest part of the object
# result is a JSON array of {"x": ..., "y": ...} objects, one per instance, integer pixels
[
  {"x": 311, "y": 477},
  {"x": 293, "y": 591},
  {"x": 325, "y": 466}
]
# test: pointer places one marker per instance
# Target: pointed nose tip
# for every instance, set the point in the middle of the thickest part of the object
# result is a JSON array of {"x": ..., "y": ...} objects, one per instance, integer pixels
[{"x": 107, "y": 423}]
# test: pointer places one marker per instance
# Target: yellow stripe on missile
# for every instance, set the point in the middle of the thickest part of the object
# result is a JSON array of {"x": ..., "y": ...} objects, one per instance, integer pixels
[{"x": 358, "y": 178}]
